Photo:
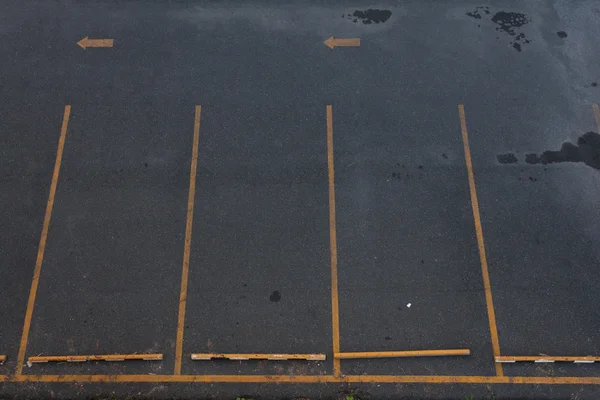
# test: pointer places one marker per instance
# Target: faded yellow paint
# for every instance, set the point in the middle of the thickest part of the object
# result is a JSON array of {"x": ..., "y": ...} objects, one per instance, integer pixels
[
  {"x": 518, "y": 380},
  {"x": 187, "y": 244},
  {"x": 480, "y": 243},
  {"x": 87, "y": 42},
  {"x": 42, "y": 246},
  {"x": 332, "y": 42},
  {"x": 335, "y": 317}
]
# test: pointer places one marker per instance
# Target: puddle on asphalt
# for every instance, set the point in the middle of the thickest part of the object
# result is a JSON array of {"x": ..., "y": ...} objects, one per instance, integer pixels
[
  {"x": 587, "y": 151},
  {"x": 275, "y": 296},
  {"x": 508, "y": 22},
  {"x": 508, "y": 158},
  {"x": 370, "y": 16}
]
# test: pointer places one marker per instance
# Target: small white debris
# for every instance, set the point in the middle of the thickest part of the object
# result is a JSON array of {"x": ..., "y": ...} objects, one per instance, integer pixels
[
  {"x": 29, "y": 364},
  {"x": 408, "y": 305}
]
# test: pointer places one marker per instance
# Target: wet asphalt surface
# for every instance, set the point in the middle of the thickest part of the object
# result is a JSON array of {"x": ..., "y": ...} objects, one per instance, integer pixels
[{"x": 260, "y": 280}]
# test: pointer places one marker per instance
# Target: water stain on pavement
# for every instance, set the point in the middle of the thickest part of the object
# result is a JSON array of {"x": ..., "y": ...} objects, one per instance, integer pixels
[
  {"x": 562, "y": 34},
  {"x": 587, "y": 151},
  {"x": 508, "y": 158},
  {"x": 508, "y": 22},
  {"x": 369, "y": 16},
  {"x": 275, "y": 296},
  {"x": 400, "y": 174},
  {"x": 476, "y": 13}
]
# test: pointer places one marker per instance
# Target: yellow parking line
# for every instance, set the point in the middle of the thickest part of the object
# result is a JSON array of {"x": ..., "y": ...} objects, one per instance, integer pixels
[
  {"x": 187, "y": 244},
  {"x": 42, "y": 245},
  {"x": 335, "y": 318},
  {"x": 518, "y": 380},
  {"x": 479, "y": 233}
]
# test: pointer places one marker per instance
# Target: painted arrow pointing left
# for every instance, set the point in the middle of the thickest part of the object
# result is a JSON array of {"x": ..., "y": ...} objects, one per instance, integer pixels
[{"x": 87, "y": 42}]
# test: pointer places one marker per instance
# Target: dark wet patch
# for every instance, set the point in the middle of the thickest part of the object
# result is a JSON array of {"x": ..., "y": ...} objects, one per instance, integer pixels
[
  {"x": 587, "y": 151},
  {"x": 444, "y": 156},
  {"x": 561, "y": 34},
  {"x": 275, "y": 296},
  {"x": 594, "y": 84},
  {"x": 369, "y": 16},
  {"x": 477, "y": 12},
  {"x": 508, "y": 22},
  {"x": 508, "y": 158},
  {"x": 388, "y": 338}
]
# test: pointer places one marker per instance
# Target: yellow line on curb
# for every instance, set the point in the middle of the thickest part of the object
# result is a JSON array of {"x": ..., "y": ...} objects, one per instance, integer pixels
[
  {"x": 480, "y": 243},
  {"x": 187, "y": 244},
  {"x": 42, "y": 246},
  {"x": 335, "y": 318},
  {"x": 518, "y": 380}
]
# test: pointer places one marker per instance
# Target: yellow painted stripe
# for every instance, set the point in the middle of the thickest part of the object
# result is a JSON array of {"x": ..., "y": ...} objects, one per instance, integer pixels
[
  {"x": 581, "y": 359},
  {"x": 597, "y": 115},
  {"x": 519, "y": 380},
  {"x": 187, "y": 244},
  {"x": 107, "y": 357},
  {"x": 42, "y": 246},
  {"x": 414, "y": 353},
  {"x": 2, "y": 359},
  {"x": 480, "y": 243},
  {"x": 255, "y": 356},
  {"x": 335, "y": 318}
]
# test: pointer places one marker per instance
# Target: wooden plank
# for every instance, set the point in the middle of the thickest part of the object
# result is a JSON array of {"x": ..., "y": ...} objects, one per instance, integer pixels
[
  {"x": 108, "y": 357},
  {"x": 256, "y": 356},
  {"x": 548, "y": 359},
  {"x": 415, "y": 353}
]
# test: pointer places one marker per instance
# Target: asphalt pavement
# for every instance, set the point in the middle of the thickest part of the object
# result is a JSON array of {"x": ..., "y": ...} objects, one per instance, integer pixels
[{"x": 174, "y": 184}]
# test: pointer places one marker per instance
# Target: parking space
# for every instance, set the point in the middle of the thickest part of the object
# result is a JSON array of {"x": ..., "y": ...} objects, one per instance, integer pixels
[
  {"x": 259, "y": 268},
  {"x": 112, "y": 262},
  {"x": 25, "y": 161},
  {"x": 410, "y": 276},
  {"x": 540, "y": 221}
]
